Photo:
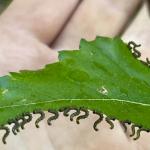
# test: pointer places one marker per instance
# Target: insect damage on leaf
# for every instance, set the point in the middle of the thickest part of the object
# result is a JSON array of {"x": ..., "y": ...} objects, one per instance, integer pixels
[{"x": 105, "y": 76}]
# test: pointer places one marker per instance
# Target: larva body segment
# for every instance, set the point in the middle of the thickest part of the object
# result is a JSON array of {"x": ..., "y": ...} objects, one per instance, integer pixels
[
  {"x": 133, "y": 129},
  {"x": 22, "y": 122},
  {"x": 25, "y": 120},
  {"x": 123, "y": 123},
  {"x": 42, "y": 116},
  {"x": 99, "y": 120},
  {"x": 132, "y": 46},
  {"x": 66, "y": 111},
  {"x": 86, "y": 114},
  {"x": 54, "y": 117},
  {"x": 109, "y": 121},
  {"x": 139, "y": 131},
  {"x": 76, "y": 113},
  {"x": 15, "y": 128},
  {"x": 6, "y": 134}
]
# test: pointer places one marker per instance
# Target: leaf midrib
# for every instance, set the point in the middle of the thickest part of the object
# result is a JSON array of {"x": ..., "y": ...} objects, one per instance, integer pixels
[{"x": 59, "y": 100}]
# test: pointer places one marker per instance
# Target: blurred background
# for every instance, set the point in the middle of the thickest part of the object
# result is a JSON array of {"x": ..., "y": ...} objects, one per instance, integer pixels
[{"x": 85, "y": 19}]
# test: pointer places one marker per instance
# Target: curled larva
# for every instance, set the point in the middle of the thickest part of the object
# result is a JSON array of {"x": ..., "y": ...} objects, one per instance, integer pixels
[
  {"x": 42, "y": 116},
  {"x": 15, "y": 127},
  {"x": 109, "y": 121},
  {"x": 139, "y": 131},
  {"x": 2, "y": 127},
  {"x": 86, "y": 114},
  {"x": 76, "y": 113},
  {"x": 66, "y": 111},
  {"x": 123, "y": 123},
  {"x": 24, "y": 119},
  {"x": 99, "y": 120},
  {"x": 54, "y": 117},
  {"x": 133, "y": 129},
  {"x": 132, "y": 46}
]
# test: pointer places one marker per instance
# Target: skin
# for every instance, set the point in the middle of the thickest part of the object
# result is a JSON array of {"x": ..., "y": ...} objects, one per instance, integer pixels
[{"x": 25, "y": 36}]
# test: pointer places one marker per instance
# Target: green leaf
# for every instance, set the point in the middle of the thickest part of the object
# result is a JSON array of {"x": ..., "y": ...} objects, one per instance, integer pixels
[
  {"x": 4, "y": 4},
  {"x": 102, "y": 76}
]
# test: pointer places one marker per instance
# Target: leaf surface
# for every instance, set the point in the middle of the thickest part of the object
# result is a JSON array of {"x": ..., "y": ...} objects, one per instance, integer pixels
[{"x": 103, "y": 76}]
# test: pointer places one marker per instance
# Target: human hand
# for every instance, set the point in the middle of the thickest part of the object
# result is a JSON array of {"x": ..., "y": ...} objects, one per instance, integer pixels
[{"x": 25, "y": 46}]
